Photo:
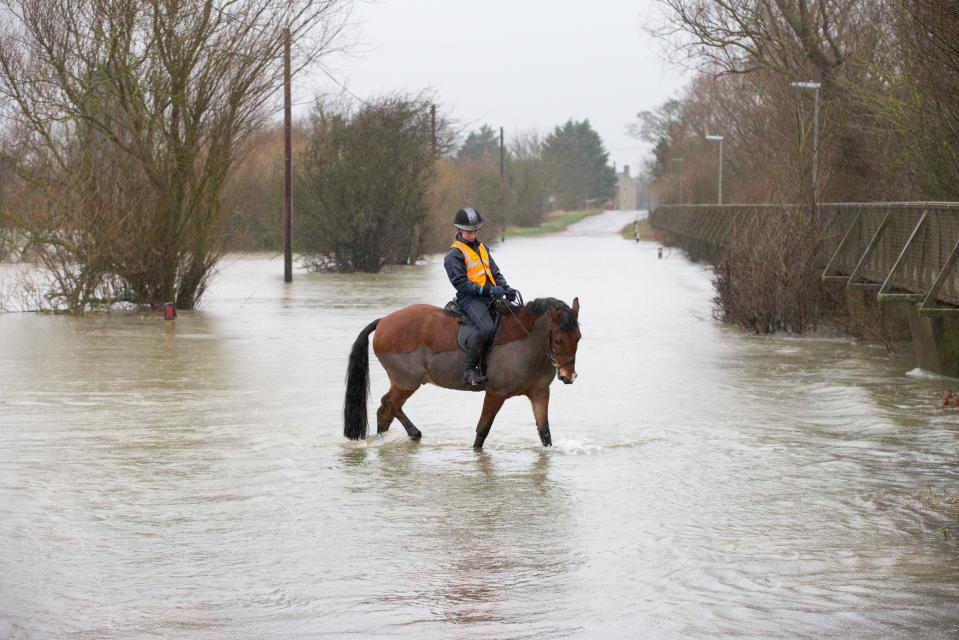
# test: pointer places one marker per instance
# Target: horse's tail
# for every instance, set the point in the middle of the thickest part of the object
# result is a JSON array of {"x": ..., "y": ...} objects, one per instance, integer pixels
[{"x": 355, "y": 421}]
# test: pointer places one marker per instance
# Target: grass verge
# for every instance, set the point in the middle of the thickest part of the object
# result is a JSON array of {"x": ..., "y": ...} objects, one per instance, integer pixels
[
  {"x": 553, "y": 224},
  {"x": 646, "y": 232}
]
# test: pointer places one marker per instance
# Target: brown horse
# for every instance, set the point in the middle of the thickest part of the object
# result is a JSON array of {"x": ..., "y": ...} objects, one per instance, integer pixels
[{"x": 417, "y": 345}]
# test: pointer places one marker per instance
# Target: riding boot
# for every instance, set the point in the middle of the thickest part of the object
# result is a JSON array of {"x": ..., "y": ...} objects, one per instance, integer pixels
[
  {"x": 481, "y": 362},
  {"x": 471, "y": 373}
]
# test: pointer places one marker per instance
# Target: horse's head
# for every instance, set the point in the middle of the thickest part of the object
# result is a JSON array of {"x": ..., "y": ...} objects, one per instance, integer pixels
[{"x": 563, "y": 336}]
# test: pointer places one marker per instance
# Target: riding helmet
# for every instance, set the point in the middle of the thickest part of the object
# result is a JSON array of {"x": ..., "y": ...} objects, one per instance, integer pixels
[{"x": 468, "y": 219}]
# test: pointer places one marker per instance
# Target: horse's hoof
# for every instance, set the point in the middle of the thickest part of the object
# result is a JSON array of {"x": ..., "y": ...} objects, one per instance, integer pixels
[
  {"x": 415, "y": 434},
  {"x": 547, "y": 440}
]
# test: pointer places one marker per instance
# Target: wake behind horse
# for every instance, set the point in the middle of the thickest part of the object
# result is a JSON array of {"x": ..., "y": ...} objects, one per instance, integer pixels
[{"x": 417, "y": 345}]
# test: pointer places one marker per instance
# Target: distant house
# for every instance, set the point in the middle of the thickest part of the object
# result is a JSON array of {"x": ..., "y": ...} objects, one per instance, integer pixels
[{"x": 626, "y": 187}]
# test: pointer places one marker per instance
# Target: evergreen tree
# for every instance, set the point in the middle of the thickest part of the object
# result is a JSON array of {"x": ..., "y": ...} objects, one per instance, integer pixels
[
  {"x": 577, "y": 164},
  {"x": 482, "y": 144}
]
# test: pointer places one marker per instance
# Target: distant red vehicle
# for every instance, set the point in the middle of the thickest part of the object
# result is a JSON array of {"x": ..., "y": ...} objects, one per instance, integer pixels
[{"x": 608, "y": 205}]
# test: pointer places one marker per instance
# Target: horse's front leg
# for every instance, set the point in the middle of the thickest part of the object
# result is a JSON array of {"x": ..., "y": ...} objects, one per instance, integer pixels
[
  {"x": 540, "y": 400},
  {"x": 491, "y": 406}
]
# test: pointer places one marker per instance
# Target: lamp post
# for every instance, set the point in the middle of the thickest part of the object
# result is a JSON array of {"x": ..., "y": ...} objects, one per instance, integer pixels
[
  {"x": 720, "y": 140},
  {"x": 815, "y": 86}
]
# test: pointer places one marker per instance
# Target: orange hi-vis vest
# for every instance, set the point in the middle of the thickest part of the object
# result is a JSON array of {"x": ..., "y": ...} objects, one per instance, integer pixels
[{"x": 477, "y": 265}]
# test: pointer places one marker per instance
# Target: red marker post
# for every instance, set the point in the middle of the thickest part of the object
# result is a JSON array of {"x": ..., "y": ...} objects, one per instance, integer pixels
[{"x": 169, "y": 311}]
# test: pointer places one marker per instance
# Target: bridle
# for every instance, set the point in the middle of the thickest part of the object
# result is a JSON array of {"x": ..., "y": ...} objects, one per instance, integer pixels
[{"x": 551, "y": 353}]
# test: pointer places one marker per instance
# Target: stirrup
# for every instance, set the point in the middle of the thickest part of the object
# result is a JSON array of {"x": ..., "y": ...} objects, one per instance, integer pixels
[{"x": 473, "y": 377}]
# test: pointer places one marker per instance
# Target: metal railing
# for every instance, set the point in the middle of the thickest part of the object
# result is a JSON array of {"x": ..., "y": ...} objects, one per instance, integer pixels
[{"x": 904, "y": 251}]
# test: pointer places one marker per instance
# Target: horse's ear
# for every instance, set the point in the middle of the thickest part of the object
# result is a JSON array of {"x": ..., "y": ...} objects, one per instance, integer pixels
[{"x": 576, "y": 307}]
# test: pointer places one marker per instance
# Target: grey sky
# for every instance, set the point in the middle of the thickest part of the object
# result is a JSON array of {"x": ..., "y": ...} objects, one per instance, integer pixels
[{"x": 519, "y": 64}]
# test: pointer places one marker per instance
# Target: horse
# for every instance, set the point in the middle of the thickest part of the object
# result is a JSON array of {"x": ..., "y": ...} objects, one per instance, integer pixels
[{"x": 416, "y": 345}]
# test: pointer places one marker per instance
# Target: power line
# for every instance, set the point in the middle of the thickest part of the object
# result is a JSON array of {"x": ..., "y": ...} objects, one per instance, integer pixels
[{"x": 342, "y": 86}]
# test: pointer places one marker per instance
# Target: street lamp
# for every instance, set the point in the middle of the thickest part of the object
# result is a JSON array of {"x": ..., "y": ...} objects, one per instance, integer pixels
[
  {"x": 815, "y": 86},
  {"x": 720, "y": 140}
]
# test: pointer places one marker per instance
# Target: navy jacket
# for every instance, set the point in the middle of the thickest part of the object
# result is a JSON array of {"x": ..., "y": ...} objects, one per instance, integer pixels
[{"x": 466, "y": 290}]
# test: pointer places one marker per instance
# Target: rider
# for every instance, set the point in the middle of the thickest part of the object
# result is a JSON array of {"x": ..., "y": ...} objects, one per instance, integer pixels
[{"x": 478, "y": 283}]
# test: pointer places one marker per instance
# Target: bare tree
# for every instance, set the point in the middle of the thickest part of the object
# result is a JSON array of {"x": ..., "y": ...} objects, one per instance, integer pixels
[
  {"x": 763, "y": 159},
  {"x": 7, "y": 180},
  {"x": 793, "y": 40},
  {"x": 784, "y": 36},
  {"x": 132, "y": 114},
  {"x": 912, "y": 98},
  {"x": 527, "y": 180},
  {"x": 889, "y": 129}
]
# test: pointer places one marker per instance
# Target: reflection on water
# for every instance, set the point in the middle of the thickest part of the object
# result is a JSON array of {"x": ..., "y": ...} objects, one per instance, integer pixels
[
  {"x": 491, "y": 535},
  {"x": 191, "y": 481}
]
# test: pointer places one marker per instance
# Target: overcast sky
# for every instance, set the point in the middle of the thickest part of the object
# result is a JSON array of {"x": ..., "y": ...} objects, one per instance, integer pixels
[{"x": 518, "y": 64}]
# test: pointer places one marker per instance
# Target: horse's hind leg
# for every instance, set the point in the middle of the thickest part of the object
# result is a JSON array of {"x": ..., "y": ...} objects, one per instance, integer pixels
[
  {"x": 391, "y": 406},
  {"x": 411, "y": 429}
]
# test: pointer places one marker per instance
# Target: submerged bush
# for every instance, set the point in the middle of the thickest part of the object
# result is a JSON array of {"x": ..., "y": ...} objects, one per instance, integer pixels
[
  {"x": 363, "y": 181},
  {"x": 769, "y": 280}
]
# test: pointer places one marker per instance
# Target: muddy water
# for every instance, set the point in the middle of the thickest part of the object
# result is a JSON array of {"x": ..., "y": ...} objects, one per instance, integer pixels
[{"x": 193, "y": 482}]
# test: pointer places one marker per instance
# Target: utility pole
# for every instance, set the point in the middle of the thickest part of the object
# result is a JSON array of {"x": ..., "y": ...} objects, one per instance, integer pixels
[
  {"x": 502, "y": 180},
  {"x": 287, "y": 163},
  {"x": 502, "y": 156},
  {"x": 433, "y": 126}
]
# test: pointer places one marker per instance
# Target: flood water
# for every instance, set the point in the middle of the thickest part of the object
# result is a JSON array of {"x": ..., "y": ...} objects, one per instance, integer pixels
[{"x": 193, "y": 481}]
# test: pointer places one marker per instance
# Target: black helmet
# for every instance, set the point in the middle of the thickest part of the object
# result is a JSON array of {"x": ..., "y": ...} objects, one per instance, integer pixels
[{"x": 468, "y": 219}]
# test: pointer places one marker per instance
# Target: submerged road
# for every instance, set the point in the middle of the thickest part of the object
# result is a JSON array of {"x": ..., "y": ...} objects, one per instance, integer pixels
[{"x": 193, "y": 482}]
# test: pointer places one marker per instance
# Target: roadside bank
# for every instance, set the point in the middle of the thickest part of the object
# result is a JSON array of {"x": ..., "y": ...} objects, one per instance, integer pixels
[{"x": 555, "y": 221}]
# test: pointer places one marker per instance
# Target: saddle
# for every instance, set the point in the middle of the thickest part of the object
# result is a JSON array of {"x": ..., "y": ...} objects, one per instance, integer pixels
[{"x": 467, "y": 328}]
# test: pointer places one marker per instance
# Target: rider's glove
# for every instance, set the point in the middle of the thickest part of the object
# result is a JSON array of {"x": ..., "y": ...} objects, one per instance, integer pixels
[
  {"x": 497, "y": 292},
  {"x": 510, "y": 294}
]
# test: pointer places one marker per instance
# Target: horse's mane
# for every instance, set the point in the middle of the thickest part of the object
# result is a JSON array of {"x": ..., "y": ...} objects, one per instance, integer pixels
[{"x": 567, "y": 320}]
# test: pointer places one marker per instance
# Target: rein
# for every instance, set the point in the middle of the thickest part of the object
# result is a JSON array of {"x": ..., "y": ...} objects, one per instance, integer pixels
[
  {"x": 550, "y": 349},
  {"x": 509, "y": 308}
]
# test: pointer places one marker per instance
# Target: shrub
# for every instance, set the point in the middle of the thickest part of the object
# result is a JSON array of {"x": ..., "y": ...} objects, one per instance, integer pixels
[{"x": 769, "y": 279}]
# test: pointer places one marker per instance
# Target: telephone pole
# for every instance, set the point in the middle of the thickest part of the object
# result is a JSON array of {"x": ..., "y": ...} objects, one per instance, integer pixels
[
  {"x": 502, "y": 156},
  {"x": 433, "y": 126},
  {"x": 287, "y": 163}
]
